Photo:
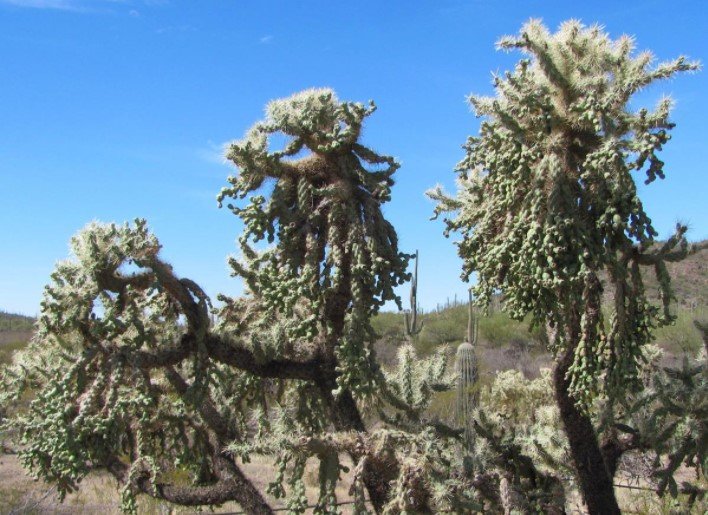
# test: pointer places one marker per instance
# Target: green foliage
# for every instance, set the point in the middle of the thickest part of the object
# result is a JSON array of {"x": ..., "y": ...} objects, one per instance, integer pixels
[
  {"x": 15, "y": 332},
  {"x": 681, "y": 336},
  {"x": 387, "y": 325},
  {"x": 500, "y": 329},
  {"x": 445, "y": 327},
  {"x": 546, "y": 197},
  {"x": 449, "y": 325}
]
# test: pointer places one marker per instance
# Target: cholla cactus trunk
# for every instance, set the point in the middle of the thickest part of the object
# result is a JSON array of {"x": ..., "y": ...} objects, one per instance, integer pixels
[{"x": 467, "y": 377}]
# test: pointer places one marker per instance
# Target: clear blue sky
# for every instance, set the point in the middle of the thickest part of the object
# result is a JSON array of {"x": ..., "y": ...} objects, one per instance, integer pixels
[{"x": 112, "y": 110}]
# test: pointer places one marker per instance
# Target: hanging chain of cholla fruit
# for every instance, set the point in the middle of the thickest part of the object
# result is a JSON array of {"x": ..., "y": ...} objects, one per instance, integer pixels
[
  {"x": 547, "y": 202},
  {"x": 336, "y": 260}
]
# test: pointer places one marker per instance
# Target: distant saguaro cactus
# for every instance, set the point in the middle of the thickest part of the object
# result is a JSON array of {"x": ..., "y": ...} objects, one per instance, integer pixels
[
  {"x": 412, "y": 327},
  {"x": 467, "y": 376}
]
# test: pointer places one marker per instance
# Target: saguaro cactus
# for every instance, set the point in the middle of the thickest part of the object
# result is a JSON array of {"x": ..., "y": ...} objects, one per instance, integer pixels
[
  {"x": 467, "y": 376},
  {"x": 413, "y": 328}
]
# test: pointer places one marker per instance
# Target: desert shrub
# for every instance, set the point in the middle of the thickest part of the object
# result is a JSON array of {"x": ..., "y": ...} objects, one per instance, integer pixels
[
  {"x": 681, "y": 336},
  {"x": 388, "y": 325},
  {"x": 500, "y": 329}
]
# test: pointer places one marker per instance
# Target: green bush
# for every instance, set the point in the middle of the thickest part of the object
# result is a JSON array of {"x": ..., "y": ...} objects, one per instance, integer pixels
[
  {"x": 388, "y": 325},
  {"x": 681, "y": 336},
  {"x": 499, "y": 329}
]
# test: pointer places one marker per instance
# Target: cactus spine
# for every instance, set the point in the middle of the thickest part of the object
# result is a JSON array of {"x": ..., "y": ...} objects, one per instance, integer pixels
[
  {"x": 467, "y": 376},
  {"x": 412, "y": 327}
]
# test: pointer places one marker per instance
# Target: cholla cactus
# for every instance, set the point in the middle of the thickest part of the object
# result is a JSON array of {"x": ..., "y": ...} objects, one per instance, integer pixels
[
  {"x": 671, "y": 418},
  {"x": 467, "y": 371},
  {"x": 133, "y": 377},
  {"x": 415, "y": 379},
  {"x": 519, "y": 436},
  {"x": 547, "y": 200},
  {"x": 131, "y": 374},
  {"x": 336, "y": 260},
  {"x": 121, "y": 366},
  {"x": 547, "y": 204}
]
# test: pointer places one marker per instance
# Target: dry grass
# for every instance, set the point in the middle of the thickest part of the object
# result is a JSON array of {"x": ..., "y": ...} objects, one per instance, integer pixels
[
  {"x": 98, "y": 493},
  {"x": 7, "y": 337},
  {"x": 19, "y": 494}
]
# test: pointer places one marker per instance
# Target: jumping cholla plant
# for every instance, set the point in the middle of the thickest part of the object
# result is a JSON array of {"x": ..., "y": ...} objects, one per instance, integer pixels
[
  {"x": 547, "y": 203},
  {"x": 130, "y": 374},
  {"x": 519, "y": 438},
  {"x": 670, "y": 419}
]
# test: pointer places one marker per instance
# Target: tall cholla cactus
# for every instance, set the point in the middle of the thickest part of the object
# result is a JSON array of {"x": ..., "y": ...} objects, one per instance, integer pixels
[
  {"x": 467, "y": 376},
  {"x": 336, "y": 260},
  {"x": 412, "y": 328},
  {"x": 549, "y": 210}
]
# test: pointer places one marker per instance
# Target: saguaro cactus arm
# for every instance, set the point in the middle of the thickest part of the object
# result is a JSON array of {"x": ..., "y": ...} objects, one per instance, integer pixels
[{"x": 472, "y": 322}]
